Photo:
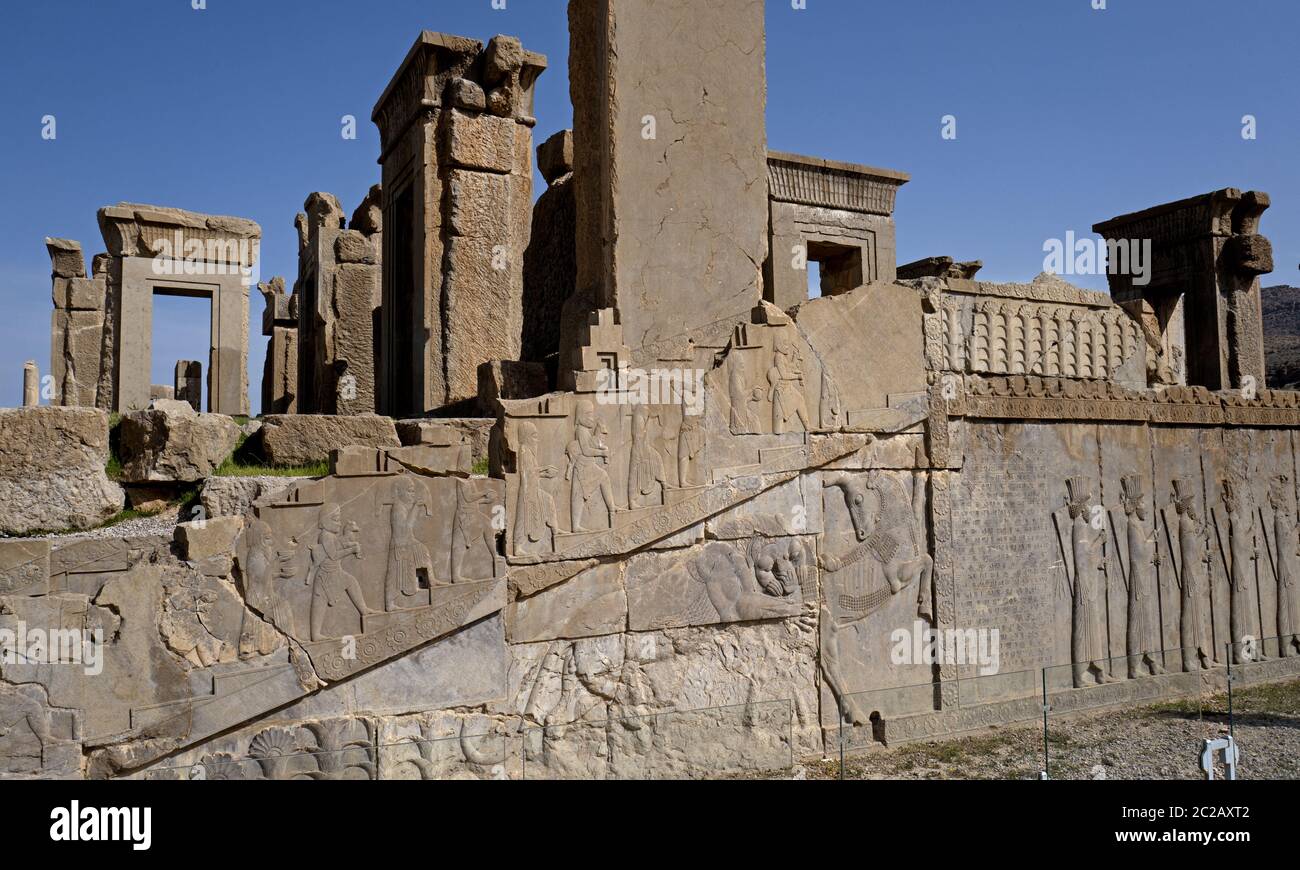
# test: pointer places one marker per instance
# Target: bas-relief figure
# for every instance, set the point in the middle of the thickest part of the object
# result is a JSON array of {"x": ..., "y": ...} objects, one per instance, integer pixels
[
  {"x": 1195, "y": 633},
  {"x": 587, "y": 472},
  {"x": 332, "y": 586},
  {"x": 645, "y": 476},
  {"x": 785, "y": 379},
  {"x": 1139, "y": 568},
  {"x": 1284, "y": 550},
  {"x": 1242, "y": 552},
  {"x": 1085, "y": 584},
  {"x": 410, "y": 566},
  {"x": 535, "y": 521}
]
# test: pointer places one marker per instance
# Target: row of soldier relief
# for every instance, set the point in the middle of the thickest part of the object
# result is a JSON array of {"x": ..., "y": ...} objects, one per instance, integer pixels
[{"x": 1147, "y": 540}]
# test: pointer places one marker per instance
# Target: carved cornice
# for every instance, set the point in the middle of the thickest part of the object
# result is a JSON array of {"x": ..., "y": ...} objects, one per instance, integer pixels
[
  {"x": 831, "y": 184},
  {"x": 1037, "y": 398}
]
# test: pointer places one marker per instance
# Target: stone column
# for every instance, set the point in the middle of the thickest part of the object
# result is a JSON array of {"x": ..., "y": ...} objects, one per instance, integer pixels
[
  {"x": 670, "y": 162},
  {"x": 1201, "y": 281},
  {"x": 188, "y": 382},
  {"x": 456, "y": 126},
  {"x": 280, "y": 371},
  {"x": 31, "y": 384}
]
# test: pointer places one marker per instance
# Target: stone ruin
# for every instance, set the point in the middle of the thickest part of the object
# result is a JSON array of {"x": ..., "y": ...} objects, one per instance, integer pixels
[{"x": 608, "y": 494}]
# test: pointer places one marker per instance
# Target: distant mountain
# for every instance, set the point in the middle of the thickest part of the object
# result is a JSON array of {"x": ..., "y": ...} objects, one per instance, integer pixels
[{"x": 1281, "y": 306}]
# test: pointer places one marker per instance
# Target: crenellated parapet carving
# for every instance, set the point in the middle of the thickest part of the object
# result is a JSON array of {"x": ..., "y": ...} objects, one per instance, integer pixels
[{"x": 986, "y": 335}]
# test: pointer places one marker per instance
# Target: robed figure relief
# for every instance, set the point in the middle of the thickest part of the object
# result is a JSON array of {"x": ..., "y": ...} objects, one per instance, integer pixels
[
  {"x": 410, "y": 566},
  {"x": 1085, "y": 582},
  {"x": 1243, "y": 552},
  {"x": 645, "y": 471},
  {"x": 1285, "y": 548},
  {"x": 785, "y": 380},
  {"x": 1139, "y": 559},
  {"x": 535, "y": 526},
  {"x": 1195, "y": 635},
  {"x": 587, "y": 474}
]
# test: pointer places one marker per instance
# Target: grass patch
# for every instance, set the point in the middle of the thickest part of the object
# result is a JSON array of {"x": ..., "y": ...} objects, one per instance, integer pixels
[
  {"x": 113, "y": 468},
  {"x": 480, "y": 466},
  {"x": 233, "y": 468}
]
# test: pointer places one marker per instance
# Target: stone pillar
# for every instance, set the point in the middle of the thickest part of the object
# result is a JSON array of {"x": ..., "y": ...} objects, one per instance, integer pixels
[
  {"x": 338, "y": 293},
  {"x": 319, "y": 225},
  {"x": 1202, "y": 283},
  {"x": 188, "y": 382},
  {"x": 456, "y": 130},
  {"x": 77, "y": 328},
  {"x": 31, "y": 384},
  {"x": 670, "y": 162},
  {"x": 280, "y": 371},
  {"x": 550, "y": 271}
]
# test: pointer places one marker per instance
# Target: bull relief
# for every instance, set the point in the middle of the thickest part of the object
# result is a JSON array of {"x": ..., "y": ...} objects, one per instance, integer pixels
[{"x": 886, "y": 558}]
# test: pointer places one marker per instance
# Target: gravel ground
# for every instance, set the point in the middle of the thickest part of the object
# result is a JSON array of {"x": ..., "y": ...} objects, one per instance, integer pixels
[
  {"x": 163, "y": 523},
  {"x": 1156, "y": 742}
]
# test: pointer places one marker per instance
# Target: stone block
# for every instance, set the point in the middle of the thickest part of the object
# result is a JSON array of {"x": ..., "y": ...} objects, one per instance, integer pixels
[
  {"x": 555, "y": 156},
  {"x": 352, "y": 246},
  {"x": 66, "y": 258},
  {"x": 24, "y": 567},
  {"x": 52, "y": 475},
  {"x": 171, "y": 442},
  {"x": 590, "y": 604},
  {"x": 210, "y": 537},
  {"x": 468, "y": 95},
  {"x": 232, "y": 496},
  {"x": 482, "y": 142},
  {"x": 507, "y": 379},
  {"x": 302, "y": 439}
]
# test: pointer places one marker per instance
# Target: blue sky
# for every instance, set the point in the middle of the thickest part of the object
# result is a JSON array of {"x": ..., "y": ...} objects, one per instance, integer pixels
[{"x": 1065, "y": 116}]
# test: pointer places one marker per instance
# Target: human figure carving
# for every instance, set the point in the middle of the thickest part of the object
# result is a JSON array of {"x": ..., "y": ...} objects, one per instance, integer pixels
[
  {"x": 469, "y": 528},
  {"x": 1193, "y": 632},
  {"x": 408, "y": 558},
  {"x": 587, "y": 473},
  {"x": 785, "y": 387},
  {"x": 1243, "y": 609},
  {"x": 330, "y": 581},
  {"x": 262, "y": 567},
  {"x": 1143, "y": 638},
  {"x": 645, "y": 471},
  {"x": 743, "y": 421},
  {"x": 690, "y": 444},
  {"x": 535, "y": 523},
  {"x": 1088, "y": 654},
  {"x": 1285, "y": 544}
]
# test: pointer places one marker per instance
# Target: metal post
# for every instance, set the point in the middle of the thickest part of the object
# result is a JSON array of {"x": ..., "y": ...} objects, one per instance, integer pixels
[
  {"x": 1046, "y": 708},
  {"x": 1231, "y": 724},
  {"x": 839, "y": 706}
]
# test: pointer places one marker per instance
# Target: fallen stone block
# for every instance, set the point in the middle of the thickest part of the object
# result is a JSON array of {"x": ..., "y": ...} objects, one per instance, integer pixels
[
  {"x": 171, "y": 442},
  {"x": 303, "y": 439},
  {"x": 52, "y": 470},
  {"x": 210, "y": 537},
  {"x": 233, "y": 496}
]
